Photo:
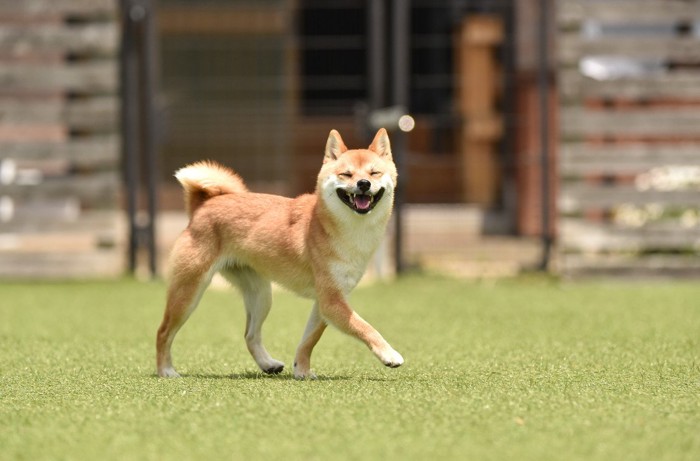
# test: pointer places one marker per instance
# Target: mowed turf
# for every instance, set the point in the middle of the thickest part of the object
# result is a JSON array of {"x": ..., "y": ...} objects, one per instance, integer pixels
[{"x": 525, "y": 369}]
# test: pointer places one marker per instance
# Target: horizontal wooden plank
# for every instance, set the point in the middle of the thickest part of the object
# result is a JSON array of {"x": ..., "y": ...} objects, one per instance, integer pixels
[
  {"x": 65, "y": 265},
  {"x": 101, "y": 39},
  {"x": 96, "y": 113},
  {"x": 83, "y": 153},
  {"x": 40, "y": 242},
  {"x": 63, "y": 7},
  {"x": 31, "y": 214},
  {"x": 573, "y": 12},
  {"x": 101, "y": 114},
  {"x": 581, "y": 235},
  {"x": 82, "y": 240},
  {"x": 17, "y": 170},
  {"x": 223, "y": 19},
  {"x": 51, "y": 215},
  {"x": 676, "y": 122},
  {"x": 572, "y": 47},
  {"x": 575, "y": 198},
  {"x": 40, "y": 112},
  {"x": 587, "y": 265},
  {"x": 18, "y": 133},
  {"x": 670, "y": 85},
  {"x": 78, "y": 77},
  {"x": 586, "y": 159},
  {"x": 97, "y": 190},
  {"x": 25, "y": 171}
]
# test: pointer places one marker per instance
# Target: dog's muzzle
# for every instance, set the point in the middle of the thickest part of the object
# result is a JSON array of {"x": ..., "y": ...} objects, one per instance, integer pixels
[{"x": 360, "y": 202}]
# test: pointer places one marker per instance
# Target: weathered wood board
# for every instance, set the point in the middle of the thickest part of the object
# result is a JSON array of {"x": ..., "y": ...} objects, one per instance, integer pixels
[
  {"x": 60, "y": 174},
  {"x": 629, "y": 198}
]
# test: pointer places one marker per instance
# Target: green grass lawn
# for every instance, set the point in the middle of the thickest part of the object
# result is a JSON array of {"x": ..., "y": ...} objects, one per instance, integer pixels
[{"x": 526, "y": 369}]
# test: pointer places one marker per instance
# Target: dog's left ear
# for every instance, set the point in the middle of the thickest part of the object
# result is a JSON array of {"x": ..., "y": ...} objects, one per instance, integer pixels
[
  {"x": 381, "y": 144},
  {"x": 335, "y": 147}
]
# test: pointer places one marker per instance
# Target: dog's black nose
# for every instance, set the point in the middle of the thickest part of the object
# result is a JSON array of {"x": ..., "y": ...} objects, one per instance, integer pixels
[{"x": 364, "y": 185}]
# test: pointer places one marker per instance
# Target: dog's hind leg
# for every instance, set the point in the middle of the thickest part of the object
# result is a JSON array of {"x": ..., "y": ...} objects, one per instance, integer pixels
[
  {"x": 188, "y": 281},
  {"x": 257, "y": 297}
]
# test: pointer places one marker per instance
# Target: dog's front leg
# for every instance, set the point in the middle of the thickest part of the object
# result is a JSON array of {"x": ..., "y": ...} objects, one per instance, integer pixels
[
  {"x": 314, "y": 329},
  {"x": 335, "y": 310}
]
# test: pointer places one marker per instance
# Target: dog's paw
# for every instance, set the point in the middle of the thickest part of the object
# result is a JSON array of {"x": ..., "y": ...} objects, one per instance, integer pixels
[
  {"x": 272, "y": 367},
  {"x": 168, "y": 372},
  {"x": 390, "y": 358},
  {"x": 302, "y": 373},
  {"x": 275, "y": 370}
]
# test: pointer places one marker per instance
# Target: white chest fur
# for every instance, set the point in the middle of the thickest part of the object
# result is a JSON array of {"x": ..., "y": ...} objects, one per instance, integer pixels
[{"x": 354, "y": 253}]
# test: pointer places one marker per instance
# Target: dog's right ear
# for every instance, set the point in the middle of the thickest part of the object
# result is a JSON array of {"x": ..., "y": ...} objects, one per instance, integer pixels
[{"x": 335, "y": 147}]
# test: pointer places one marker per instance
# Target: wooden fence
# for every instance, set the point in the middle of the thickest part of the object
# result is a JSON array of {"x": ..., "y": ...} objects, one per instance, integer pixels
[
  {"x": 59, "y": 143},
  {"x": 629, "y": 79}
]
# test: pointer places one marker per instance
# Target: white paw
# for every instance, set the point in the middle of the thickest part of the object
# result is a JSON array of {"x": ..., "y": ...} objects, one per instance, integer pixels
[
  {"x": 271, "y": 366},
  {"x": 304, "y": 374},
  {"x": 168, "y": 372},
  {"x": 390, "y": 358}
]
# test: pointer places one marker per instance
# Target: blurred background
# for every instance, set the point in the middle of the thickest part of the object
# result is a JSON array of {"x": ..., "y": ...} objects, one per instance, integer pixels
[{"x": 102, "y": 100}]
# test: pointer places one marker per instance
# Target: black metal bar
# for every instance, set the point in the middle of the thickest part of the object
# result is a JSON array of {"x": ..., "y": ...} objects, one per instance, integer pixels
[
  {"x": 376, "y": 54},
  {"x": 543, "y": 80},
  {"x": 400, "y": 32},
  {"x": 129, "y": 127},
  {"x": 148, "y": 123},
  {"x": 138, "y": 83}
]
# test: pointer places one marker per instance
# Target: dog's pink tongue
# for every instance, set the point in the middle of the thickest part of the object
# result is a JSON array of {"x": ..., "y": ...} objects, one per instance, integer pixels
[{"x": 362, "y": 202}]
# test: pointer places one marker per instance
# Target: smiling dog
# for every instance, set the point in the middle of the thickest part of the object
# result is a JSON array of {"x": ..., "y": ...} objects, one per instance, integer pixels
[{"x": 317, "y": 245}]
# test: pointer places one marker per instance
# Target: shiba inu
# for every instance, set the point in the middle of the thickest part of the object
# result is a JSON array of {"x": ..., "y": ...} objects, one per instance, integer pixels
[{"x": 317, "y": 245}]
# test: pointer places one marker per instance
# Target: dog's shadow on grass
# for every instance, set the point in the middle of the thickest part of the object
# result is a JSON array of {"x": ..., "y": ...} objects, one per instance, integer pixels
[{"x": 252, "y": 375}]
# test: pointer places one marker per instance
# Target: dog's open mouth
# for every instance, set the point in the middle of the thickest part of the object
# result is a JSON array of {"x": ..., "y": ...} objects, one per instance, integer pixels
[{"x": 360, "y": 203}]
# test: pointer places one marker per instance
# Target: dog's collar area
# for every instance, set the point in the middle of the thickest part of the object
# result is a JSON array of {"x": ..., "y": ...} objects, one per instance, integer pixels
[{"x": 361, "y": 203}]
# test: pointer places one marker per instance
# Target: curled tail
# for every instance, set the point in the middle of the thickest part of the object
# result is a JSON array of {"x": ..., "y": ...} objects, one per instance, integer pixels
[{"x": 204, "y": 180}]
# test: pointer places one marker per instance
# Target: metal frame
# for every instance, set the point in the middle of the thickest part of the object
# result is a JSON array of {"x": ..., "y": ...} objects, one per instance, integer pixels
[
  {"x": 138, "y": 78},
  {"x": 544, "y": 88},
  {"x": 138, "y": 86},
  {"x": 400, "y": 75},
  {"x": 395, "y": 69}
]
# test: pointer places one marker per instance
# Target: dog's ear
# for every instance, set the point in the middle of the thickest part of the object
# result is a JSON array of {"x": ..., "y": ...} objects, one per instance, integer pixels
[
  {"x": 381, "y": 144},
  {"x": 335, "y": 147}
]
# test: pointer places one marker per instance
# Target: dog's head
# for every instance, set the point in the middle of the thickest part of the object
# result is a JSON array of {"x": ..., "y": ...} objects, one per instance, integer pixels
[{"x": 359, "y": 180}]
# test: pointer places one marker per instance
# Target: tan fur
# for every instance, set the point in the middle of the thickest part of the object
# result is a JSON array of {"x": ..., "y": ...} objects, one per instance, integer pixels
[
  {"x": 314, "y": 244},
  {"x": 206, "y": 179}
]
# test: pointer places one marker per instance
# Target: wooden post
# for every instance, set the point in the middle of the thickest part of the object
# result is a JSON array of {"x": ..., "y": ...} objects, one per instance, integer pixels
[{"x": 478, "y": 88}]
